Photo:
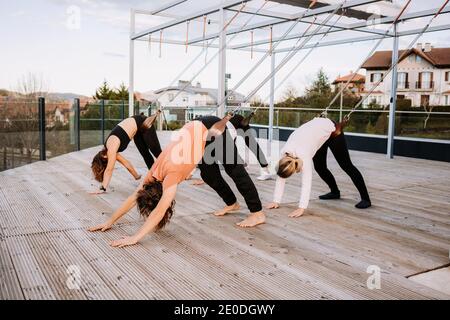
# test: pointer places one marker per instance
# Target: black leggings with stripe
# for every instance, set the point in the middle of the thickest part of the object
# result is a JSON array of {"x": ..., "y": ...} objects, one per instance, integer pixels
[{"x": 210, "y": 170}]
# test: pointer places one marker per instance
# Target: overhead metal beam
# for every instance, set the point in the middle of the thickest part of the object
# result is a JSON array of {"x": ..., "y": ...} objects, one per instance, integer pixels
[
  {"x": 212, "y": 9},
  {"x": 364, "y": 39},
  {"x": 290, "y": 17},
  {"x": 323, "y": 44},
  {"x": 337, "y": 28},
  {"x": 311, "y": 13},
  {"x": 176, "y": 16},
  {"x": 168, "y": 6},
  {"x": 342, "y": 41},
  {"x": 405, "y": 17},
  {"x": 199, "y": 45}
]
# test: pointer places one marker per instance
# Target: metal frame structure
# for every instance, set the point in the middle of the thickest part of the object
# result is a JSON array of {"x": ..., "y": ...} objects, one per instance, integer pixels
[{"x": 276, "y": 18}]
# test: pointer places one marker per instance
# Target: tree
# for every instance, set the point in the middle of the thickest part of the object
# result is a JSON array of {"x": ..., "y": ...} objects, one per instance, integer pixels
[
  {"x": 318, "y": 95},
  {"x": 121, "y": 93},
  {"x": 290, "y": 93},
  {"x": 22, "y": 124},
  {"x": 321, "y": 85},
  {"x": 104, "y": 92}
]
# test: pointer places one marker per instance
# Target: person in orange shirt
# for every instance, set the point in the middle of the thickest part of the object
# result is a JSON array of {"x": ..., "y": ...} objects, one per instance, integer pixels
[{"x": 155, "y": 196}]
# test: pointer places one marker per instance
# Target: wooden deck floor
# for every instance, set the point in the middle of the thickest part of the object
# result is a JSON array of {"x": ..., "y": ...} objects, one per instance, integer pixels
[{"x": 45, "y": 210}]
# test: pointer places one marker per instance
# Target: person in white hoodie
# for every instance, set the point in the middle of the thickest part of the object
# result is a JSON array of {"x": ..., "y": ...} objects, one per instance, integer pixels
[{"x": 307, "y": 147}]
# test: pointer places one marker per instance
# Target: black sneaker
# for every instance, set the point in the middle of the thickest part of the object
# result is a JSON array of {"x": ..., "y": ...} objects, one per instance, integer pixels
[
  {"x": 363, "y": 204},
  {"x": 331, "y": 196}
]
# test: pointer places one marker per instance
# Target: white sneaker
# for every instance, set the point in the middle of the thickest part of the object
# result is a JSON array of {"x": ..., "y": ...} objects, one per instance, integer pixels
[{"x": 265, "y": 174}]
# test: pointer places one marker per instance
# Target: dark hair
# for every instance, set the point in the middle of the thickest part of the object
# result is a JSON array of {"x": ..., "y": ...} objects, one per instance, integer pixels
[
  {"x": 147, "y": 200},
  {"x": 99, "y": 164}
]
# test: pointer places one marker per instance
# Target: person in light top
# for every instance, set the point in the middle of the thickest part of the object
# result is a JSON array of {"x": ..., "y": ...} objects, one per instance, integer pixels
[{"x": 307, "y": 147}]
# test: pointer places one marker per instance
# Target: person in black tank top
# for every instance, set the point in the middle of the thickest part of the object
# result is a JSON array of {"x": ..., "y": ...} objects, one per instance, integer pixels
[{"x": 146, "y": 141}]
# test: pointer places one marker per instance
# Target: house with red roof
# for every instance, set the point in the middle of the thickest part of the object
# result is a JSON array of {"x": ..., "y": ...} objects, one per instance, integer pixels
[
  {"x": 356, "y": 82},
  {"x": 423, "y": 76}
]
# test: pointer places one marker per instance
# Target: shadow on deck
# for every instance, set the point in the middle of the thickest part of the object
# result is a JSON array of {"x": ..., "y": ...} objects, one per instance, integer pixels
[{"x": 45, "y": 210}]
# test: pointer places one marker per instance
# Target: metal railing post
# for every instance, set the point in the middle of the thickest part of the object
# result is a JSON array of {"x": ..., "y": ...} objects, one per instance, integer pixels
[
  {"x": 122, "y": 110},
  {"x": 42, "y": 146},
  {"x": 77, "y": 124},
  {"x": 102, "y": 118}
]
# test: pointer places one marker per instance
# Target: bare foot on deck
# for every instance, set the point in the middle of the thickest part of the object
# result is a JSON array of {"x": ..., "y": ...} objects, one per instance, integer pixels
[
  {"x": 227, "y": 209},
  {"x": 253, "y": 220}
]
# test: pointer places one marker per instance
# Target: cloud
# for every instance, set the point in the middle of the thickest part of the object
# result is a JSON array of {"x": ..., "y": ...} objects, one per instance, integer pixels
[
  {"x": 114, "y": 55},
  {"x": 17, "y": 14}
]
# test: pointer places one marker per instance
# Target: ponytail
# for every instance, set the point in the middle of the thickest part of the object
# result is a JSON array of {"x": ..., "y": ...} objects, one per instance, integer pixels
[{"x": 289, "y": 165}]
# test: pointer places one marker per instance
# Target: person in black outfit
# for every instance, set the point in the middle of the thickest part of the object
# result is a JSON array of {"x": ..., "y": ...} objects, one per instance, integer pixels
[
  {"x": 243, "y": 128},
  {"x": 138, "y": 128},
  {"x": 338, "y": 147},
  {"x": 223, "y": 150}
]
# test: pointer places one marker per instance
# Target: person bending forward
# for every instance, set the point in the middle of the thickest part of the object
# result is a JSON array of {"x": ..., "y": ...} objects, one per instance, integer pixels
[
  {"x": 307, "y": 146},
  {"x": 223, "y": 149}
]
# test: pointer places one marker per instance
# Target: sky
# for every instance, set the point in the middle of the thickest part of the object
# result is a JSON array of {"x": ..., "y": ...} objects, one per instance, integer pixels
[{"x": 74, "y": 45}]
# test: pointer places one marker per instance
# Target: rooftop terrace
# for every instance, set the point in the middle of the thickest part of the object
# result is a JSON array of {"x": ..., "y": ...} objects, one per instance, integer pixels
[{"x": 45, "y": 210}]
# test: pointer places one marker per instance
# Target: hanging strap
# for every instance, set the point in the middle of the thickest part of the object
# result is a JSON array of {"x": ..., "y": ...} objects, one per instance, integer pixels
[
  {"x": 160, "y": 42},
  {"x": 187, "y": 35},
  {"x": 204, "y": 29},
  {"x": 243, "y": 5},
  {"x": 270, "y": 39},
  {"x": 251, "y": 46}
]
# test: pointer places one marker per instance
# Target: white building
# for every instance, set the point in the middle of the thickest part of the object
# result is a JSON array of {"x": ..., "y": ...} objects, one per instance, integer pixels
[
  {"x": 194, "y": 99},
  {"x": 423, "y": 76}
]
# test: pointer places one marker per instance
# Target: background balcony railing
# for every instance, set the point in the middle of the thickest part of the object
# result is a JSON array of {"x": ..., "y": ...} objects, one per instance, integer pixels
[
  {"x": 425, "y": 85},
  {"x": 31, "y": 129},
  {"x": 403, "y": 85}
]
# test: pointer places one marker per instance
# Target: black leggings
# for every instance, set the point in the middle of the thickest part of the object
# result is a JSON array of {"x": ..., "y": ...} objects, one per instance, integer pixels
[
  {"x": 338, "y": 147},
  {"x": 244, "y": 130},
  {"x": 148, "y": 140},
  {"x": 210, "y": 172},
  {"x": 254, "y": 147}
]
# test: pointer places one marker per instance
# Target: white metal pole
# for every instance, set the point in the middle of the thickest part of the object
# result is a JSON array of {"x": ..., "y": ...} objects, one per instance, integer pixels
[
  {"x": 393, "y": 102},
  {"x": 271, "y": 104},
  {"x": 131, "y": 66},
  {"x": 222, "y": 63}
]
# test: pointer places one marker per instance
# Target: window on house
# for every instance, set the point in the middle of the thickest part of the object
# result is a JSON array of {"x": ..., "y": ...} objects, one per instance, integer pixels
[
  {"x": 447, "y": 76},
  {"x": 447, "y": 100},
  {"x": 411, "y": 58},
  {"x": 171, "y": 96},
  {"x": 418, "y": 59},
  {"x": 376, "y": 77},
  {"x": 403, "y": 80},
  {"x": 425, "y": 80}
]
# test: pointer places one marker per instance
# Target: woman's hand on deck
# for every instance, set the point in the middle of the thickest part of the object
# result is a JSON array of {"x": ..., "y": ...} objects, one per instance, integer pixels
[
  {"x": 102, "y": 227},
  {"x": 124, "y": 242},
  {"x": 273, "y": 205},
  {"x": 297, "y": 213}
]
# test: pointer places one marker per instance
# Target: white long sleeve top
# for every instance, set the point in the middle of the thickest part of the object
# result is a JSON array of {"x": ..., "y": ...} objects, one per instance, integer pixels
[{"x": 303, "y": 143}]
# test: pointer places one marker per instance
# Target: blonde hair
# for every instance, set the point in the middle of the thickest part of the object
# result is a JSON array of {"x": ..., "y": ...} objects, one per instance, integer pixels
[{"x": 288, "y": 165}]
